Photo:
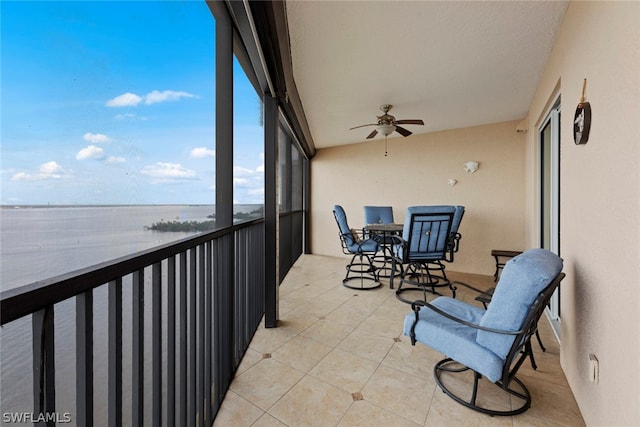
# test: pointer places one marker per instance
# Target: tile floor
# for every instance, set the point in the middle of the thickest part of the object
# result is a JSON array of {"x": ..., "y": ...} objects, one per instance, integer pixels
[{"x": 339, "y": 358}]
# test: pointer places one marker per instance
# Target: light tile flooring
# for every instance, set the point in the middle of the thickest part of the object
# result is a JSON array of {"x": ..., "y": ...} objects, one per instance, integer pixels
[{"x": 338, "y": 358}]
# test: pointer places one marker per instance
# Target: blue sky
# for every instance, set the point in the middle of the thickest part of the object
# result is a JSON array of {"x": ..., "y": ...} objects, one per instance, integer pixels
[{"x": 114, "y": 103}]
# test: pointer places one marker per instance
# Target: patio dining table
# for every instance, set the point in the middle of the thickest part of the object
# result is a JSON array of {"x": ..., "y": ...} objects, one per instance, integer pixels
[{"x": 385, "y": 231}]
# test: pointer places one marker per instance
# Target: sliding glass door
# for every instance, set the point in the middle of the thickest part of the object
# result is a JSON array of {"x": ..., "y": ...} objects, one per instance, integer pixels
[{"x": 549, "y": 138}]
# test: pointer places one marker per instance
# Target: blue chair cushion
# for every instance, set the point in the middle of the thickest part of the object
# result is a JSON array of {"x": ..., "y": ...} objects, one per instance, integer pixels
[
  {"x": 457, "y": 219},
  {"x": 364, "y": 246},
  {"x": 378, "y": 215},
  {"x": 399, "y": 252},
  {"x": 352, "y": 244},
  {"x": 453, "y": 339},
  {"x": 523, "y": 278},
  {"x": 341, "y": 218}
]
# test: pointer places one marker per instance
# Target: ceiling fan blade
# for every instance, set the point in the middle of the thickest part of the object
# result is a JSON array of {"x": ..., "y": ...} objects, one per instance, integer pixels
[
  {"x": 402, "y": 131},
  {"x": 409, "y": 122},
  {"x": 372, "y": 134},
  {"x": 361, "y": 126}
]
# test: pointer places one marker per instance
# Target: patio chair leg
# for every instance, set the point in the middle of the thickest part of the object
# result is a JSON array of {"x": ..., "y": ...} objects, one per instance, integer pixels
[
  {"x": 474, "y": 393},
  {"x": 540, "y": 341},
  {"x": 528, "y": 349},
  {"x": 362, "y": 270}
]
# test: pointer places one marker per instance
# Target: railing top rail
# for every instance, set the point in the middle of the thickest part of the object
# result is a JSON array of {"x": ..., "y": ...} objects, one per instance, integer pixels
[{"x": 21, "y": 301}]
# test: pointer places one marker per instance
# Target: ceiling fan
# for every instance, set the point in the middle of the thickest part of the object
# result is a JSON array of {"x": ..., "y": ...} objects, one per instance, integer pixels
[{"x": 387, "y": 124}]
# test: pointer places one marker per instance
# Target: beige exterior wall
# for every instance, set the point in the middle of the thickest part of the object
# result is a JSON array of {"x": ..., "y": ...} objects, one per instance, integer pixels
[
  {"x": 416, "y": 172},
  {"x": 600, "y": 204}
]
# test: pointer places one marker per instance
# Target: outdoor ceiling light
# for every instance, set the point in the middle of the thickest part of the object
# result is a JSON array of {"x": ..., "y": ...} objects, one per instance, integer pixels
[
  {"x": 471, "y": 167},
  {"x": 385, "y": 129}
]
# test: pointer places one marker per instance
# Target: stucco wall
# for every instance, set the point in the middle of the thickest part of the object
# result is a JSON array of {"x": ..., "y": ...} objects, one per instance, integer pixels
[
  {"x": 600, "y": 205},
  {"x": 416, "y": 172}
]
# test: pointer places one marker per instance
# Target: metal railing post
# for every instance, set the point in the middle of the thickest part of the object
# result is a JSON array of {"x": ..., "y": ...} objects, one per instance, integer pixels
[
  {"x": 44, "y": 395},
  {"x": 84, "y": 358}
]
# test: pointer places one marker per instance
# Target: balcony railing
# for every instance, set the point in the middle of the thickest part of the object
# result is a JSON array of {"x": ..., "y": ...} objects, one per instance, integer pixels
[{"x": 192, "y": 306}]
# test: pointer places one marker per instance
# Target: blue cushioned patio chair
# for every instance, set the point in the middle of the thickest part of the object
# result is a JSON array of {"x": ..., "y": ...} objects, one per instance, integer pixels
[
  {"x": 354, "y": 243},
  {"x": 491, "y": 343},
  {"x": 430, "y": 236},
  {"x": 380, "y": 215}
]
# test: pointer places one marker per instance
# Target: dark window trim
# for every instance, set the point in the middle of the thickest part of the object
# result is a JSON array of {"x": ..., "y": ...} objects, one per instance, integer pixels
[{"x": 270, "y": 20}]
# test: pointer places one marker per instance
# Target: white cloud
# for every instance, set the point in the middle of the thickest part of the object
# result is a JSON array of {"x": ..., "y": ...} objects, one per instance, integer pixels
[
  {"x": 260, "y": 169},
  {"x": 48, "y": 170},
  {"x": 202, "y": 152},
  {"x": 125, "y": 100},
  {"x": 21, "y": 176},
  {"x": 51, "y": 168},
  {"x": 90, "y": 152},
  {"x": 130, "y": 116},
  {"x": 164, "y": 171},
  {"x": 241, "y": 182},
  {"x": 96, "y": 138},
  {"x": 256, "y": 191},
  {"x": 166, "y": 95},
  {"x": 239, "y": 171},
  {"x": 155, "y": 96},
  {"x": 112, "y": 160}
]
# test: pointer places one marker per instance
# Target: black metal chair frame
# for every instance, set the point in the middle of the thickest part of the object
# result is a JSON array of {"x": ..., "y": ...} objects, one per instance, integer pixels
[
  {"x": 520, "y": 350},
  {"x": 424, "y": 273},
  {"x": 361, "y": 266}
]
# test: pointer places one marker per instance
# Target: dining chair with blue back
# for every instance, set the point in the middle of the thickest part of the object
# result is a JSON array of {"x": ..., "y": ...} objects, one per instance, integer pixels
[
  {"x": 378, "y": 215},
  {"x": 363, "y": 250},
  {"x": 430, "y": 237}
]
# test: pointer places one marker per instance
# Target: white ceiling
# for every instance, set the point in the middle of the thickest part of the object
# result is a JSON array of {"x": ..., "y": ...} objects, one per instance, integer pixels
[{"x": 452, "y": 64}]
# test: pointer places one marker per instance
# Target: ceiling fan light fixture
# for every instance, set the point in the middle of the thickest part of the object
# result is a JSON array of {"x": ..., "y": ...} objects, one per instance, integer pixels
[{"x": 385, "y": 129}]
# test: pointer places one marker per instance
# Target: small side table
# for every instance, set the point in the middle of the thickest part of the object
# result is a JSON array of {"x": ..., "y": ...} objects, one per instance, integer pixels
[{"x": 500, "y": 256}]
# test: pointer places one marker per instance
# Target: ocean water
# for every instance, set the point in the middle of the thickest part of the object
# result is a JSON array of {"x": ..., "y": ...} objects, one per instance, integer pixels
[{"x": 38, "y": 243}]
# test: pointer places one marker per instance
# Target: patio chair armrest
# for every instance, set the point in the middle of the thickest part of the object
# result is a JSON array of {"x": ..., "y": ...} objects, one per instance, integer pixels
[
  {"x": 416, "y": 305},
  {"x": 455, "y": 241},
  {"x": 468, "y": 286},
  {"x": 397, "y": 239}
]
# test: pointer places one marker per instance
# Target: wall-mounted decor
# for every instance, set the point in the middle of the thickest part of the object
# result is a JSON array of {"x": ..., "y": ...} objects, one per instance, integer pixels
[{"x": 582, "y": 119}]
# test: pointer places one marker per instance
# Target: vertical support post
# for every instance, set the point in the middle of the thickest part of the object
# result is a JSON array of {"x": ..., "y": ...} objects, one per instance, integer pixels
[
  {"x": 223, "y": 311},
  {"x": 306, "y": 205},
  {"x": 44, "y": 396},
  {"x": 115, "y": 353},
  {"x": 271, "y": 215},
  {"x": 84, "y": 358},
  {"x": 224, "y": 121},
  {"x": 200, "y": 346},
  {"x": 171, "y": 341},
  {"x": 137, "y": 347},
  {"x": 192, "y": 338},
  {"x": 156, "y": 344},
  {"x": 207, "y": 332},
  {"x": 183, "y": 340}
]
